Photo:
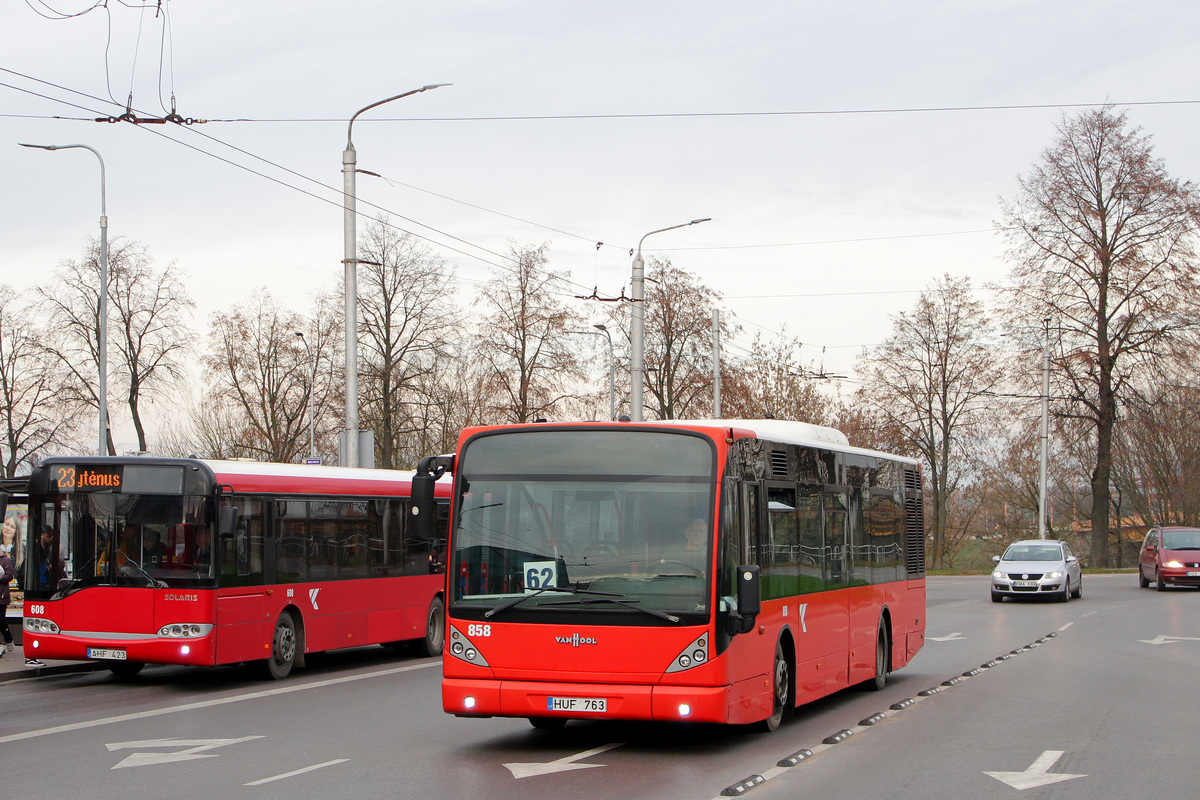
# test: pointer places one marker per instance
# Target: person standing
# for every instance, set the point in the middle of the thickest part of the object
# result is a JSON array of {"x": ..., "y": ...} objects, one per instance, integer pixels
[{"x": 6, "y": 575}]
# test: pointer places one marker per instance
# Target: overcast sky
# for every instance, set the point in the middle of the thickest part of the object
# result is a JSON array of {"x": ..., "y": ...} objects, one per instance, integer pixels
[{"x": 840, "y": 148}]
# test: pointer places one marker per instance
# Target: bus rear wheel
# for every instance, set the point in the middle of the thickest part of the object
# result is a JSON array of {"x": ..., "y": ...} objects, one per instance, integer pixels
[
  {"x": 882, "y": 661},
  {"x": 435, "y": 631},
  {"x": 780, "y": 691},
  {"x": 283, "y": 648}
]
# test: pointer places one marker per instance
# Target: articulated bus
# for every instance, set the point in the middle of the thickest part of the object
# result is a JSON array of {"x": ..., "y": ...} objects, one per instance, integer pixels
[
  {"x": 143, "y": 560},
  {"x": 712, "y": 571}
]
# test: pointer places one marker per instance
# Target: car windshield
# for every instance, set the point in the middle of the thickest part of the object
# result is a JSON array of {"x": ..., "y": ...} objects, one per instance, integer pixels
[
  {"x": 1033, "y": 552},
  {"x": 595, "y": 521},
  {"x": 1181, "y": 540}
]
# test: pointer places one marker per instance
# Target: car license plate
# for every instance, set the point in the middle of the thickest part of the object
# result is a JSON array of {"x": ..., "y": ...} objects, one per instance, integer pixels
[
  {"x": 584, "y": 704},
  {"x": 1193, "y": 574},
  {"x": 110, "y": 655},
  {"x": 1025, "y": 584}
]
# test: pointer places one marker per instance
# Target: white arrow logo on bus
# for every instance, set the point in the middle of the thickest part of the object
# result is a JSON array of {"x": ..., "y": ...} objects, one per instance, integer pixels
[
  {"x": 192, "y": 749},
  {"x": 312, "y": 598}
]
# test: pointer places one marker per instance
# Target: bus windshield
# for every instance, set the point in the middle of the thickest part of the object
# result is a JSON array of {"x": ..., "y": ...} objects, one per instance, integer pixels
[
  {"x": 599, "y": 521},
  {"x": 103, "y": 539}
]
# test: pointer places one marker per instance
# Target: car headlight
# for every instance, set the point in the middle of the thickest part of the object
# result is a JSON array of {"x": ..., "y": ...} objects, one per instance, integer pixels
[
  {"x": 998, "y": 575},
  {"x": 1054, "y": 575},
  {"x": 1173, "y": 564}
]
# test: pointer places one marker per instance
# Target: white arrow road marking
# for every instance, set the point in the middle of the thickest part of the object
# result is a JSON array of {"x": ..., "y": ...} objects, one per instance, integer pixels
[
  {"x": 560, "y": 765},
  {"x": 948, "y": 638},
  {"x": 193, "y": 749},
  {"x": 1038, "y": 773},
  {"x": 1161, "y": 639}
]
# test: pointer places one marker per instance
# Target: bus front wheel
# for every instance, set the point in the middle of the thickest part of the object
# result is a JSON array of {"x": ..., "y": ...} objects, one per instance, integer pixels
[{"x": 283, "y": 648}]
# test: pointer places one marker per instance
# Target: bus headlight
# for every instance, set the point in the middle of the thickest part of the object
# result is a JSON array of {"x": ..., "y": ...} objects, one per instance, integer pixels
[
  {"x": 38, "y": 625},
  {"x": 693, "y": 655},
  {"x": 184, "y": 630},
  {"x": 463, "y": 648}
]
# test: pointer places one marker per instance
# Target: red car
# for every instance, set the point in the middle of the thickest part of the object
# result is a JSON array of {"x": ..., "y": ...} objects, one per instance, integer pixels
[{"x": 1170, "y": 556}]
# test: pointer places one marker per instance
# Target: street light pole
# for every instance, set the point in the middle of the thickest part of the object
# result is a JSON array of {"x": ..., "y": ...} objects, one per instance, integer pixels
[
  {"x": 1045, "y": 430},
  {"x": 350, "y": 261},
  {"x": 612, "y": 371},
  {"x": 312, "y": 391},
  {"x": 637, "y": 343},
  {"x": 102, "y": 322}
]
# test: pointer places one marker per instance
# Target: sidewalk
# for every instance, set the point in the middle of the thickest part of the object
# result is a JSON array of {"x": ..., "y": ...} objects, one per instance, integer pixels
[{"x": 12, "y": 667}]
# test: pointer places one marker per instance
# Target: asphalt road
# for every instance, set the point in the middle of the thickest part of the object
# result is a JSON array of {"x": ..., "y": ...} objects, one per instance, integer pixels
[{"x": 1106, "y": 693}]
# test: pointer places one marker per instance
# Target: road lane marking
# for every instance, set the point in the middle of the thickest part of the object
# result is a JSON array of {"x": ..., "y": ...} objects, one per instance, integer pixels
[
  {"x": 950, "y": 637},
  {"x": 1038, "y": 773},
  {"x": 1162, "y": 639},
  {"x": 1064, "y": 627},
  {"x": 96, "y": 723},
  {"x": 295, "y": 772},
  {"x": 529, "y": 770},
  {"x": 193, "y": 749}
]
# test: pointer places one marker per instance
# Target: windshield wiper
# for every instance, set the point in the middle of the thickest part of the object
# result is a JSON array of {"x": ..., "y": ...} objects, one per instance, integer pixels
[
  {"x": 564, "y": 589},
  {"x": 630, "y": 604}
]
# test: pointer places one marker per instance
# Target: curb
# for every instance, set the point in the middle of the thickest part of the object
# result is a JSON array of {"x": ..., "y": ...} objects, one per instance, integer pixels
[{"x": 20, "y": 671}]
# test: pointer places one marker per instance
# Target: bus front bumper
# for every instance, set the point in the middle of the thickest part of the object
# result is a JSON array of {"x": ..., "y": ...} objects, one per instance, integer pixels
[
  {"x": 493, "y": 698},
  {"x": 153, "y": 650}
]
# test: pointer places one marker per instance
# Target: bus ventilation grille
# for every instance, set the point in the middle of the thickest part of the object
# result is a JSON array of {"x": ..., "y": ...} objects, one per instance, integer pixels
[
  {"x": 914, "y": 535},
  {"x": 779, "y": 464},
  {"x": 912, "y": 480}
]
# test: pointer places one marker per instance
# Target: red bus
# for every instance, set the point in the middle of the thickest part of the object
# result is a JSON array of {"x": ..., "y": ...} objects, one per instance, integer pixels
[
  {"x": 713, "y": 571},
  {"x": 142, "y": 560}
]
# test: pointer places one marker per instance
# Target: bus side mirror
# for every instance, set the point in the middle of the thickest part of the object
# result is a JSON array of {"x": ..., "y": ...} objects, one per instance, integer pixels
[
  {"x": 749, "y": 596},
  {"x": 228, "y": 522},
  {"x": 422, "y": 508},
  {"x": 429, "y": 469}
]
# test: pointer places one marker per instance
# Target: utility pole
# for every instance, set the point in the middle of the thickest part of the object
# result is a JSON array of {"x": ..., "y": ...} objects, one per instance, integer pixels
[{"x": 716, "y": 362}]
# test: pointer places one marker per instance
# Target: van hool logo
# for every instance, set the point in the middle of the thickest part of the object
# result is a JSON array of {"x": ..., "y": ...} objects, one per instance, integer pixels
[{"x": 575, "y": 640}]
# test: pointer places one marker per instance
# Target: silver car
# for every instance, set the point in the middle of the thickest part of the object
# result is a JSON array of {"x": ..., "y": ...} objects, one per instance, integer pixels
[{"x": 1037, "y": 566}]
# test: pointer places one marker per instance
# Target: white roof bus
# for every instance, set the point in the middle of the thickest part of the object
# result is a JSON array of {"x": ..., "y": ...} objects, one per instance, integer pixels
[
  {"x": 143, "y": 560},
  {"x": 714, "y": 571}
]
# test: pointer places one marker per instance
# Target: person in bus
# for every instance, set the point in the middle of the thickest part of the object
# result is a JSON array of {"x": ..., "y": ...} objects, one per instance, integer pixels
[
  {"x": 203, "y": 555},
  {"x": 152, "y": 554},
  {"x": 127, "y": 545},
  {"x": 692, "y": 551},
  {"x": 50, "y": 567}
]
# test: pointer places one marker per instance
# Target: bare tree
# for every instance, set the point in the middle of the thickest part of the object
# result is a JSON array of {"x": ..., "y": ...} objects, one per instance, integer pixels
[
  {"x": 773, "y": 379},
  {"x": 254, "y": 365},
  {"x": 35, "y": 411},
  {"x": 407, "y": 321},
  {"x": 523, "y": 341},
  {"x": 148, "y": 308},
  {"x": 929, "y": 378},
  {"x": 1101, "y": 239}
]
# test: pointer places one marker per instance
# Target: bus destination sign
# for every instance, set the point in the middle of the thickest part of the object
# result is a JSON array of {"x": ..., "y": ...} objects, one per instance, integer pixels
[{"x": 74, "y": 478}]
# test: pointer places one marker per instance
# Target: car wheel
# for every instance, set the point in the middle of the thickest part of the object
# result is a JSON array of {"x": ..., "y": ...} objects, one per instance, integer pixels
[
  {"x": 997, "y": 597},
  {"x": 1066, "y": 591},
  {"x": 1142, "y": 582},
  {"x": 1078, "y": 593},
  {"x": 1159, "y": 583}
]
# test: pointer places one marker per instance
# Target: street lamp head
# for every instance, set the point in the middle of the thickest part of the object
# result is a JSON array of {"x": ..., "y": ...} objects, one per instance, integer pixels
[
  {"x": 698, "y": 221},
  {"x": 600, "y": 326},
  {"x": 40, "y": 146}
]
